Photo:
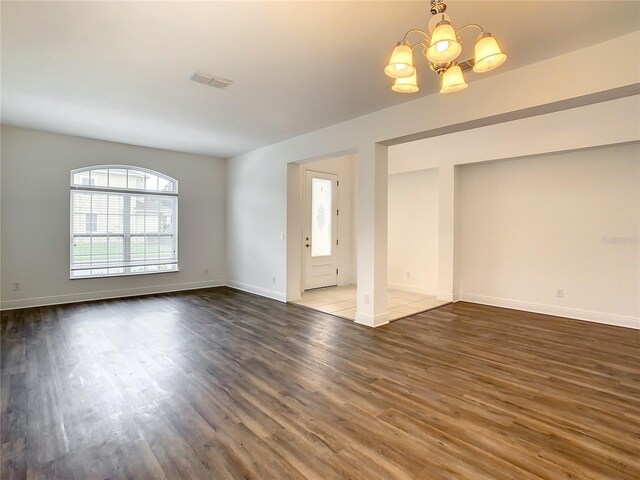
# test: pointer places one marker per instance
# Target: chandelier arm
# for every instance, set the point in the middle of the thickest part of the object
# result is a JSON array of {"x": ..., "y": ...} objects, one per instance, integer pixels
[
  {"x": 418, "y": 31},
  {"x": 471, "y": 25}
]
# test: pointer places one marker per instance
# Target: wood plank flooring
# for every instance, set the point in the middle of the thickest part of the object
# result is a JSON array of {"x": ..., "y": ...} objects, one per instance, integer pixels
[{"x": 222, "y": 384}]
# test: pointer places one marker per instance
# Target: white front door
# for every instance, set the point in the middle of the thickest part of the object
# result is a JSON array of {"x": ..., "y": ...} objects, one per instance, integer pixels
[{"x": 320, "y": 233}]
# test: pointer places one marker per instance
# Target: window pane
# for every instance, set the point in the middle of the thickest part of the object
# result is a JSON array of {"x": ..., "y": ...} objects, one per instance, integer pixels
[
  {"x": 165, "y": 205},
  {"x": 321, "y": 208},
  {"x": 81, "y": 250},
  {"x": 151, "y": 182},
  {"x": 101, "y": 220},
  {"x": 81, "y": 202},
  {"x": 151, "y": 222},
  {"x": 116, "y": 224},
  {"x": 99, "y": 203},
  {"x": 166, "y": 223},
  {"x": 152, "y": 203},
  {"x": 118, "y": 178},
  {"x": 166, "y": 248},
  {"x": 82, "y": 178},
  {"x": 78, "y": 224},
  {"x": 116, "y": 250},
  {"x": 99, "y": 250},
  {"x": 100, "y": 178},
  {"x": 165, "y": 185},
  {"x": 137, "y": 206},
  {"x": 151, "y": 248},
  {"x": 136, "y": 213},
  {"x": 135, "y": 180},
  {"x": 137, "y": 249},
  {"x": 91, "y": 222},
  {"x": 136, "y": 224},
  {"x": 116, "y": 203}
]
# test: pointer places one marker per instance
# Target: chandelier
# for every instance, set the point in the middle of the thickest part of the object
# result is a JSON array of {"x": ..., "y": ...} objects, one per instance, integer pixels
[{"x": 441, "y": 46}]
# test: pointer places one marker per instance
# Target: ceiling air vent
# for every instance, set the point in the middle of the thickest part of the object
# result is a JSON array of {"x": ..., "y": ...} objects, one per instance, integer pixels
[{"x": 210, "y": 80}]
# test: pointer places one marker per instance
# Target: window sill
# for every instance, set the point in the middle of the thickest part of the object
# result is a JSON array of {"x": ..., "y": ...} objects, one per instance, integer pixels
[{"x": 126, "y": 274}]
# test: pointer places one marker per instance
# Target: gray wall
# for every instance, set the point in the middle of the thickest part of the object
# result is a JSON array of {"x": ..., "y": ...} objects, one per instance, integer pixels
[{"x": 35, "y": 217}]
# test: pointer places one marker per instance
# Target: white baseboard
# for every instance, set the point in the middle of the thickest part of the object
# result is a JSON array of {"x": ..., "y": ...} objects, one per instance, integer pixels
[
  {"x": 445, "y": 297},
  {"x": 372, "y": 320},
  {"x": 555, "y": 310},
  {"x": 106, "y": 294},
  {"x": 263, "y": 292},
  {"x": 405, "y": 287}
]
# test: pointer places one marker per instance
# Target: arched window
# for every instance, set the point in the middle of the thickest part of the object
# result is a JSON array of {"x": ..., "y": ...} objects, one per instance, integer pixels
[{"x": 124, "y": 221}]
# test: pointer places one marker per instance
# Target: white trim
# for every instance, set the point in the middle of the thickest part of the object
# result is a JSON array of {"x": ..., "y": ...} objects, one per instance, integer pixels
[
  {"x": 555, "y": 310},
  {"x": 372, "y": 320},
  {"x": 133, "y": 191},
  {"x": 106, "y": 294},
  {"x": 445, "y": 296},
  {"x": 410, "y": 288},
  {"x": 294, "y": 297},
  {"x": 263, "y": 292}
]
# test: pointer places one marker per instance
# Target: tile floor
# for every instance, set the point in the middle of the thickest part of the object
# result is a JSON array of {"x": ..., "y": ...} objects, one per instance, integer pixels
[{"x": 341, "y": 301}]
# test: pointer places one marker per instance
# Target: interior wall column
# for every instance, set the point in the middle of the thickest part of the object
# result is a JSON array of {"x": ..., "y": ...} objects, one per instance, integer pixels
[
  {"x": 372, "y": 236},
  {"x": 446, "y": 231},
  {"x": 295, "y": 200}
]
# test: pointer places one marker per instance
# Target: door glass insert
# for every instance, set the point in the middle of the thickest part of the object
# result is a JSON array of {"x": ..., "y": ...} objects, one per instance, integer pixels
[{"x": 321, "y": 208}]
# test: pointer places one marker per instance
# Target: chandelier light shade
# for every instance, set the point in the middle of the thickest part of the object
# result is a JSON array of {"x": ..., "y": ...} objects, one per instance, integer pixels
[
  {"x": 407, "y": 84},
  {"x": 488, "y": 54},
  {"x": 401, "y": 62},
  {"x": 453, "y": 80},
  {"x": 442, "y": 44}
]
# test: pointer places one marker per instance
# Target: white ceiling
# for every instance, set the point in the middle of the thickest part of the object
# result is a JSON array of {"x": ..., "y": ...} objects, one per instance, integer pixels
[{"x": 120, "y": 71}]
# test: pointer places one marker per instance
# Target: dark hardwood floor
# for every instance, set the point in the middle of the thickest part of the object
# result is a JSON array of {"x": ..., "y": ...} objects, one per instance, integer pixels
[{"x": 222, "y": 384}]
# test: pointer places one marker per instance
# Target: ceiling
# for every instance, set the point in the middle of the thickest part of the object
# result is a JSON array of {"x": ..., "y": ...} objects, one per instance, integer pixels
[{"x": 120, "y": 71}]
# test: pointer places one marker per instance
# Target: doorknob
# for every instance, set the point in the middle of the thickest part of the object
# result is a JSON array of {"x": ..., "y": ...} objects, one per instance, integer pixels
[{"x": 308, "y": 245}]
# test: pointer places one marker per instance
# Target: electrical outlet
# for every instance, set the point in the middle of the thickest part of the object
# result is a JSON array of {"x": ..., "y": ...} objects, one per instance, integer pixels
[
  {"x": 408, "y": 274},
  {"x": 366, "y": 299},
  {"x": 273, "y": 279},
  {"x": 281, "y": 235},
  {"x": 17, "y": 286},
  {"x": 560, "y": 293},
  {"x": 206, "y": 271}
]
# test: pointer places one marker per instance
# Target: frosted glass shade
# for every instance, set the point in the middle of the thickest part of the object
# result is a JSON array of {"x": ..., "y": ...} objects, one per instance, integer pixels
[
  {"x": 453, "y": 80},
  {"x": 487, "y": 54},
  {"x": 444, "y": 44},
  {"x": 401, "y": 63},
  {"x": 407, "y": 84}
]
